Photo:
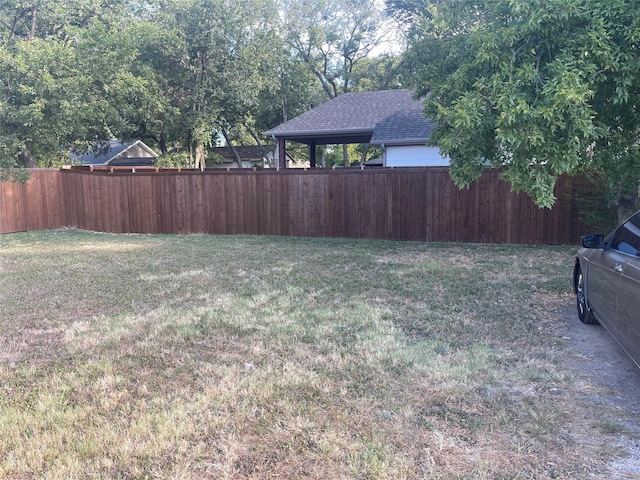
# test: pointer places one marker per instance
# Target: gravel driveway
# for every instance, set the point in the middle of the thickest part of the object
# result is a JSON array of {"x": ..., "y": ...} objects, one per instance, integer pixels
[{"x": 608, "y": 367}]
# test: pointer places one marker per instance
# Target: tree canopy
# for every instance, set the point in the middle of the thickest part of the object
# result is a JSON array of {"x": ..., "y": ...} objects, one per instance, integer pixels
[
  {"x": 178, "y": 74},
  {"x": 65, "y": 75},
  {"x": 537, "y": 88}
]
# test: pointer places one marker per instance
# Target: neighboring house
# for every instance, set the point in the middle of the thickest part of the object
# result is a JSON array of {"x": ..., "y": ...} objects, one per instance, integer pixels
[
  {"x": 392, "y": 119},
  {"x": 116, "y": 153},
  {"x": 250, "y": 156}
]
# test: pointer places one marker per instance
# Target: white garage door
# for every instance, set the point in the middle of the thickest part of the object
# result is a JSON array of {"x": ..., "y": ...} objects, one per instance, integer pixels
[{"x": 414, "y": 156}]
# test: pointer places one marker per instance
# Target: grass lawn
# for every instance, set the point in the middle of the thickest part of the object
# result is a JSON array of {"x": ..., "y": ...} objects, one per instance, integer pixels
[{"x": 139, "y": 356}]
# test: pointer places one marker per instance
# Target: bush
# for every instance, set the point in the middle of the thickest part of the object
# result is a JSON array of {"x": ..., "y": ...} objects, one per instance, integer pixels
[{"x": 173, "y": 160}]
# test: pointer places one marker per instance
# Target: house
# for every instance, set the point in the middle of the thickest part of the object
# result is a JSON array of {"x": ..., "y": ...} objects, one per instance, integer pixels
[
  {"x": 116, "y": 153},
  {"x": 391, "y": 119},
  {"x": 250, "y": 156}
]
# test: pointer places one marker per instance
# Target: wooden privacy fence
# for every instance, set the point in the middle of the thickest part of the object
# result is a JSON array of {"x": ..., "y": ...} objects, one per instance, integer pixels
[{"x": 399, "y": 204}]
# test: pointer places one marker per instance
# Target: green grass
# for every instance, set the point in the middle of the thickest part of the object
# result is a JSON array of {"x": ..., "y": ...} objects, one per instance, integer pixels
[{"x": 135, "y": 356}]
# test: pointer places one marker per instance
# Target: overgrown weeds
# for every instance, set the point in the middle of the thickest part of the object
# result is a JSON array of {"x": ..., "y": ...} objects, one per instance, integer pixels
[{"x": 137, "y": 356}]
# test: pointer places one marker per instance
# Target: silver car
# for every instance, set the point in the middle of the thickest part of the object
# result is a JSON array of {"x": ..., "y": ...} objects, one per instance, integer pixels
[{"x": 606, "y": 282}]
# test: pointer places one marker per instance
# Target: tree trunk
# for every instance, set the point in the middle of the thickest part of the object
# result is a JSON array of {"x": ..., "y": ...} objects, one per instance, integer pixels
[
  {"x": 363, "y": 157},
  {"x": 12, "y": 31},
  {"x": 284, "y": 109},
  {"x": 265, "y": 150},
  {"x": 27, "y": 160},
  {"x": 328, "y": 88},
  {"x": 345, "y": 155},
  {"x": 233, "y": 148},
  {"x": 625, "y": 207},
  {"x": 162, "y": 144},
  {"x": 196, "y": 155},
  {"x": 200, "y": 157},
  {"x": 256, "y": 138},
  {"x": 34, "y": 16}
]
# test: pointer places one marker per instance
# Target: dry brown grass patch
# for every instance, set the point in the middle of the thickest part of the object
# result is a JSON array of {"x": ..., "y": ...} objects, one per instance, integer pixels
[{"x": 242, "y": 357}]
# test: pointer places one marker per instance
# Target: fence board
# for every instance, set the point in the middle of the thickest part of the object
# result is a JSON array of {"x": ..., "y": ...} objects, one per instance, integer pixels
[
  {"x": 400, "y": 204},
  {"x": 34, "y": 205}
]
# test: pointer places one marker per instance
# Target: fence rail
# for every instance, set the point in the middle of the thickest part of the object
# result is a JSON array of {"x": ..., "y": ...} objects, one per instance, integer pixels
[{"x": 400, "y": 204}]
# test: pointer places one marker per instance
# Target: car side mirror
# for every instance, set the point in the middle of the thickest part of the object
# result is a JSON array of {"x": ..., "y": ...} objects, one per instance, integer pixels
[{"x": 592, "y": 241}]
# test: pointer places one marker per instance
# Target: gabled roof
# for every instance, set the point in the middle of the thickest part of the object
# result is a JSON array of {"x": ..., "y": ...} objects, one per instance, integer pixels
[
  {"x": 356, "y": 117},
  {"x": 114, "y": 149}
]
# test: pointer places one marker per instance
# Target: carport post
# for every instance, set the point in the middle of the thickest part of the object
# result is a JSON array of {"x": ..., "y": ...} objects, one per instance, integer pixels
[
  {"x": 312, "y": 154},
  {"x": 282, "y": 154}
]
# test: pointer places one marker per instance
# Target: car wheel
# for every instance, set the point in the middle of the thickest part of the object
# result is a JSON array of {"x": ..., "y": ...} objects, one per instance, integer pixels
[{"x": 584, "y": 314}]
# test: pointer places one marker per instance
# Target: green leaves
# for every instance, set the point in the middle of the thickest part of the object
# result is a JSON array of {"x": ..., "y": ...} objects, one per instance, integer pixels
[
  {"x": 332, "y": 37},
  {"x": 77, "y": 73},
  {"x": 60, "y": 81},
  {"x": 41, "y": 95},
  {"x": 537, "y": 88}
]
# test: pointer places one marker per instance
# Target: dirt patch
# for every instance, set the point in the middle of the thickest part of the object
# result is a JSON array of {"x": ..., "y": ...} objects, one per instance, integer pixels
[
  {"x": 604, "y": 361},
  {"x": 617, "y": 381}
]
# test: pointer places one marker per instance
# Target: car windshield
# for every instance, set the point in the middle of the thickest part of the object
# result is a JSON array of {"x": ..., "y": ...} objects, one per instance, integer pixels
[{"x": 626, "y": 239}]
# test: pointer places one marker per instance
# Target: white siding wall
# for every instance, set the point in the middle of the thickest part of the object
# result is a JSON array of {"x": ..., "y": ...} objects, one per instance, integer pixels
[
  {"x": 414, "y": 156},
  {"x": 136, "y": 151}
]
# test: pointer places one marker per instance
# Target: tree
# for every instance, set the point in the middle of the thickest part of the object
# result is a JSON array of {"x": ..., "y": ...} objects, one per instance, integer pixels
[
  {"x": 152, "y": 98},
  {"x": 296, "y": 91},
  {"x": 180, "y": 74},
  {"x": 39, "y": 90},
  {"x": 253, "y": 48},
  {"x": 537, "y": 88},
  {"x": 76, "y": 74},
  {"x": 381, "y": 72},
  {"x": 63, "y": 67},
  {"x": 217, "y": 69},
  {"x": 332, "y": 38}
]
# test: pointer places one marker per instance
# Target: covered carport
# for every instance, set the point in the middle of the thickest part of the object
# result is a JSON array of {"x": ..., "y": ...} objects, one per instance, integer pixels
[{"x": 350, "y": 118}]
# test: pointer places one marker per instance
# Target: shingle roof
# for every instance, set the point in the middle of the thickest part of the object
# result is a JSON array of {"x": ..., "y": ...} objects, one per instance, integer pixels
[
  {"x": 355, "y": 116},
  {"x": 113, "y": 149},
  {"x": 403, "y": 128},
  {"x": 246, "y": 152}
]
